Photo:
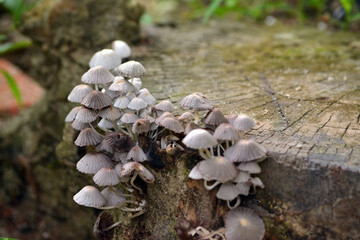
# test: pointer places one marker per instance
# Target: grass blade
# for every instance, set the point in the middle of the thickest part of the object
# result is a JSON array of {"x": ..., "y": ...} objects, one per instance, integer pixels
[
  {"x": 13, "y": 86},
  {"x": 211, "y": 9},
  {"x": 10, "y": 46}
]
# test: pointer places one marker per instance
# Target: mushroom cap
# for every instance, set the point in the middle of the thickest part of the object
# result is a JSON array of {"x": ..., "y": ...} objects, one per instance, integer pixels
[
  {"x": 195, "y": 173},
  {"x": 79, "y": 92},
  {"x": 215, "y": 118},
  {"x": 128, "y": 168},
  {"x": 137, "y": 103},
  {"x": 245, "y": 151},
  {"x": 112, "y": 94},
  {"x": 118, "y": 141},
  {"x": 142, "y": 125},
  {"x": 86, "y": 115},
  {"x": 199, "y": 139},
  {"x": 121, "y": 48},
  {"x": 190, "y": 126},
  {"x": 162, "y": 116},
  {"x": 122, "y": 102},
  {"x": 165, "y": 106},
  {"x": 121, "y": 85},
  {"x": 218, "y": 168},
  {"x": 256, "y": 181},
  {"x": 112, "y": 197},
  {"x": 120, "y": 156},
  {"x": 91, "y": 163},
  {"x": 103, "y": 221},
  {"x": 186, "y": 117},
  {"x": 244, "y": 188},
  {"x": 148, "y": 98},
  {"x": 89, "y": 196},
  {"x": 242, "y": 177},
  {"x": 88, "y": 137},
  {"x": 97, "y": 75},
  {"x": 96, "y": 100},
  {"x": 106, "y": 177},
  {"x": 227, "y": 191},
  {"x": 111, "y": 113},
  {"x": 72, "y": 114},
  {"x": 196, "y": 101},
  {"x": 132, "y": 69},
  {"x": 151, "y": 119},
  {"x": 129, "y": 118},
  {"x": 245, "y": 223},
  {"x": 251, "y": 167},
  {"x": 107, "y": 58},
  {"x": 79, "y": 125},
  {"x": 137, "y": 83},
  {"x": 244, "y": 123},
  {"x": 226, "y": 132},
  {"x": 231, "y": 118},
  {"x": 172, "y": 124},
  {"x": 137, "y": 154},
  {"x": 130, "y": 95}
]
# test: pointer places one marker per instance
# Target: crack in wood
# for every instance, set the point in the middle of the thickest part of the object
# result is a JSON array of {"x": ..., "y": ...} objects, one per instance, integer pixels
[
  {"x": 271, "y": 93},
  {"x": 321, "y": 127},
  {"x": 347, "y": 127}
]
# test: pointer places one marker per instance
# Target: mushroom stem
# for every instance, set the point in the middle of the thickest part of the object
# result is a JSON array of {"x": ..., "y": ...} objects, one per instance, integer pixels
[
  {"x": 197, "y": 116},
  {"x": 212, "y": 236},
  {"x": 238, "y": 201},
  {"x": 158, "y": 133},
  {"x": 211, "y": 186},
  {"x": 227, "y": 144},
  {"x": 222, "y": 147},
  {"x": 218, "y": 150},
  {"x": 116, "y": 206},
  {"x": 202, "y": 154},
  {"x": 96, "y": 87},
  {"x": 112, "y": 226},
  {"x": 208, "y": 153},
  {"x": 212, "y": 151},
  {"x": 132, "y": 183}
]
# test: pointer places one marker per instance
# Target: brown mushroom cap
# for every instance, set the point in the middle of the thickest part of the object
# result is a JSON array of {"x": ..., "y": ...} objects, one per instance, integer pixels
[
  {"x": 215, "y": 118},
  {"x": 218, "y": 168},
  {"x": 96, "y": 100},
  {"x": 172, "y": 124},
  {"x": 226, "y": 132},
  {"x": 88, "y": 137}
]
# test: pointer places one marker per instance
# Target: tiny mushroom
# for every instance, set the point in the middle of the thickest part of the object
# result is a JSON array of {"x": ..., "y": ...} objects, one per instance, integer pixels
[
  {"x": 96, "y": 100},
  {"x": 97, "y": 75},
  {"x": 215, "y": 117},
  {"x": 245, "y": 151},
  {"x": 202, "y": 140},
  {"x": 79, "y": 92},
  {"x": 228, "y": 192},
  {"x": 88, "y": 137},
  {"x": 138, "y": 169},
  {"x": 132, "y": 69},
  {"x": 121, "y": 48},
  {"x": 107, "y": 58},
  {"x": 89, "y": 196},
  {"x": 91, "y": 163},
  {"x": 106, "y": 177},
  {"x": 197, "y": 102},
  {"x": 244, "y": 123}
]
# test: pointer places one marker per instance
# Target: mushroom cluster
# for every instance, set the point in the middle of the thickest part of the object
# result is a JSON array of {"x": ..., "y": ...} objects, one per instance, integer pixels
[{"x": 114, "y": 111}]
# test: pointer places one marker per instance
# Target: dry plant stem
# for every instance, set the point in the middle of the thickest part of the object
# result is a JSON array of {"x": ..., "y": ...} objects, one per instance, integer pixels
[
  {"x": 220, "y": 232},
  {"x": 238, "y": 201},
  {"x": 211, "y": 186},
  {"x": 197, "y": 117},
  {"x": 132, "y": 183}
]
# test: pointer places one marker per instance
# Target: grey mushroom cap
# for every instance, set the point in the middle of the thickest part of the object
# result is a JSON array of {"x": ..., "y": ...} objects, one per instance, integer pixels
[
  {"x": 111, "y": 113},
  {"x": 72, "y": 114},
  {"x": 132, "y": 69},
  {"x": 148, "y": 98},
  {"x": 79, "y": 125},
  {"x": 245, "y": 151},
  {"x": 244, "y": 123},
  {"x": 186, "y": 117},
  {"x": 162, "y": 116},
  {"x": 79, "y": 92},
  {"x": 195, "y": 173},
  {"x": 107, "y": 58},
  {"x": 172, "y": 124},
  {"x": 215, "y": 118},
  {"x": 227, "y": 191},
  {"x": 128, "y": 118},
  {"x": 226, "y": 132},
  {"x": 137, "y": 154},
  {"x": 251, "y": 167},
  {"x": 199, "y": 139},
  {"x": 89, "y": 196},
  {"x": 218, "y": 168},
  {"x": 88, "y": 137},
  {"x": 121, "y": 85},
  {"x": 91, "y": 163},
  {"x": 142, "y": 125},
  {"x": 106, "y": 177},
  {"x": 245, "y": 223},
  {"x": 96, "y": 100},
  {"x": 190, "y": 126},
  {"x": 97, "y": 75},
  {"x": 165, "y": 106},
  {"x": 112, "y": 196},
  {"x": 137, "y": 104},
  {"x": 121, "y": 48},
  {"x": 196, "y": 101},
  {"x": 86, "y": 115},
  {"x": 122, "y": 102},
  {"x": 242, "y": 177}
]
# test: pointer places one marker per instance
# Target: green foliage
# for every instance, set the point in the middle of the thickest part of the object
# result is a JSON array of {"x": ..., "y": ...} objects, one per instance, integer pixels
[
  {"x": 16, "y": 9},
  {"x": 13, "y": 86},
  {"x": 13, "y": 46}
]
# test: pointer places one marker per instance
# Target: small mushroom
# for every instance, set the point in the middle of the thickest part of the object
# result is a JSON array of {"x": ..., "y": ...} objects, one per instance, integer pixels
[
  {"x": 79, "y": 92},
  {"x": 251, "y": 167},
  {"x": 96, "y": 100},
  {"x": 142, "y": 125},
  {"x": 137, "y": 154},
  {"x": 88, "y": 137},
  {"x": 122, "y": 102},
  {"x": 86, "y": 115},
  {"x": 132, "y": 69},
  {"x": 197, "y": 102},
  {"x": 228, "y": 192},
  {"x": 106, "y": 177},
  {"x": 245, "y": 151},
  {"x": 89, "y": 196},
  {"x": 138, "y": 169},
  {"x": 112, "y": 196},
  {"x": 121, "y": 48},
  {"x": 107, "y": 58},
  {"x": 137, "y": 104},
  {"x": 226, "y": 132},
  {"x": 97, "y": 75},
  {"x": 111, "y": 113},
  {"x": 72, "y": 114},
  {"x": 121, "y": 85},
  {"x": 91, "y": 163},
  {"x": 79, "y": 125},
  {"x": 215, "y": 117},
  {"x": 147, "y": 97},
  {"x": 164, "y": 106},
  {"x": 172, "y": 124},
  {"x": 243, "y": 123},
  {"x": 200, "y": 139}
]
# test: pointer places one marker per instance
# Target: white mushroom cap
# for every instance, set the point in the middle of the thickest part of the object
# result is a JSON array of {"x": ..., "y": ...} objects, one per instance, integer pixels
[
  {"x": 79, "y": 92},
  {"x": 120, "y": 156},
  {"x": 129, "y": 118},
  {"x": 242, "y": 177},
  {"x": 111, "y": 94},
  {"x": 199, "y": 139},
  {"x": 244, "y": 187},
  {"x": 251, "y": 167},
  {"x": 132, "y": 69},
  {"x": 162, "y": 116},
  {"x": 121, "y": 85},
  {"x": 96, "y": 100},
  {"x": 112, "y": 197},
  {"x": 121, "y": 48},
  {"x": 244, "y": 223},
  {"x": 226, "y": 132},
  {"x": 137, "y": 103},
  {"x": 244, "y": 123},
  {"x": 111, "y": 113},
  {"x": 106, "y": 177},
  {"x": 172, "y": 124},
  {"x": 227, "y": 191},
  {"x": 118, "y": 168},
  {"x": 79, "y": 125},
  {"x": 122, "y": 102},
  {"x": 257, "y": 182},
  {"x": 144, "y": 90},
  {"x": 129, "y": 168},
  {"x": 137, "y": 83},
  {"x": 89, "y": 196},
  {"x": 97, "y": 75},
  {"x": 86, "y": 115},
  {"x": 72, "y": 114},
  {"x": 196, "y": 101},
  {"x": 88, "y": 137},
  {"x": 107, "y": 58},
  {"x": 231, "y": 118},
  {"x": 130, "y": 95},
  {"x": 165, "y": 106},
  {"x": 195, "y": 173},
  {"x": 186, "y": 117},
  {"x": 245, "y": 151},
  {"x": 137, "y": 154},
  {"x": 218, "y": 168},
  {"x": 215, "y": 118},
  {"x": 91, "y": 163},
  {"x": 148, "y": 98}
]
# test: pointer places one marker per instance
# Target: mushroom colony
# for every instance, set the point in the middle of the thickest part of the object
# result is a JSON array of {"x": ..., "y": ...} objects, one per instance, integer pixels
[{"x": 116, "y": 112}]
